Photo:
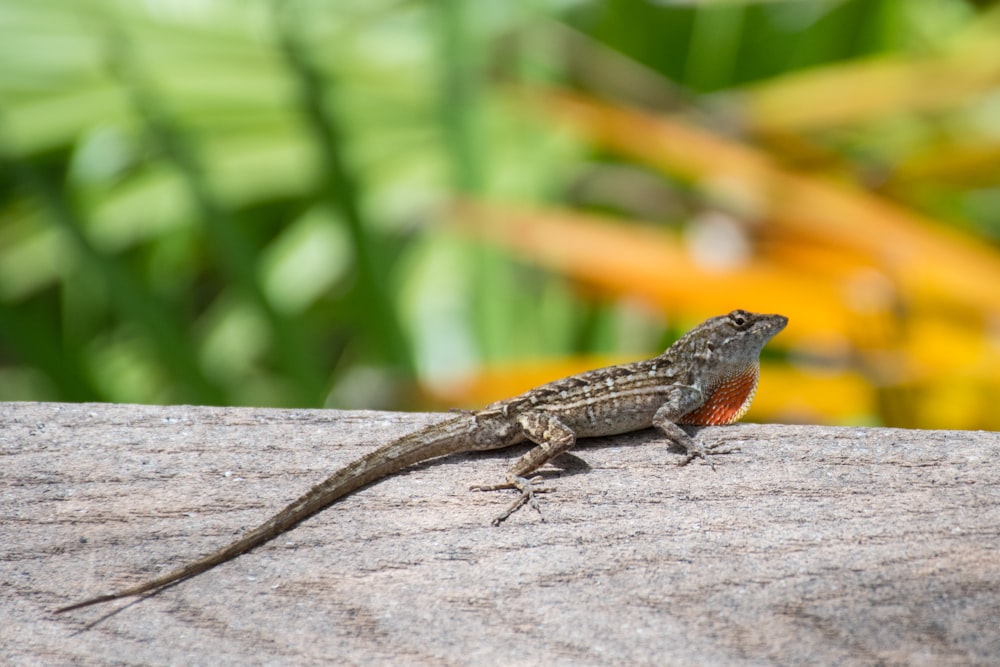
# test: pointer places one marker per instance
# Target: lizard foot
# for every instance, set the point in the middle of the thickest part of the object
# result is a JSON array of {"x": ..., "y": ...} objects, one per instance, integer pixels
[
  {"x": 715, "y": 449},
  {"x": 527, "y": 496},
  {"x": 696, "y": 451}
]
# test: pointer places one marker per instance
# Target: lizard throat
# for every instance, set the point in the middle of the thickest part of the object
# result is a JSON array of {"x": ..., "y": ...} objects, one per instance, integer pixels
[{"x": 728, "y": 399}]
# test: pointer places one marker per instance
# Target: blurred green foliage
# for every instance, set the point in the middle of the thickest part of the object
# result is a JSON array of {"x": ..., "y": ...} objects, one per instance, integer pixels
[
  {"x": 228, "y": 202},
  {"x": 244, "y": 201}
]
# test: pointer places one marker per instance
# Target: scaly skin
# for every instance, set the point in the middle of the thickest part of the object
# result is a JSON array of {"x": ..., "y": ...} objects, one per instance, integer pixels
[{"x": 708, "y": 377}]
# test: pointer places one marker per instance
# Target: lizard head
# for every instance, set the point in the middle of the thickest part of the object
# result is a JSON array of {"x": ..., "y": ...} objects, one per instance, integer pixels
[
  {"x": 733, "y": 340},
  {"x": 724, "y": 352}
]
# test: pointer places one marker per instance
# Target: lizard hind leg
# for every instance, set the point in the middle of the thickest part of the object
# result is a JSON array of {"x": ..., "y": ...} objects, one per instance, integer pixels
[{"x": 552, "y": 438}]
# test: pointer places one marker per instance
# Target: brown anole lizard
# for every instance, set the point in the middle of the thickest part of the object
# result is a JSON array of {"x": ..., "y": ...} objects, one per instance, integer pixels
[{"x": 709, "y": 376}]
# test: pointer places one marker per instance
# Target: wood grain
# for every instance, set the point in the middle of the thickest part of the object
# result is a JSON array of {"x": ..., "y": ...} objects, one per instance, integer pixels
[{"x": 810, "y": 545}]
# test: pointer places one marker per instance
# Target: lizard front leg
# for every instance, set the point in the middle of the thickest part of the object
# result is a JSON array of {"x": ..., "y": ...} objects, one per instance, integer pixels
[
  {"x": 681, "y": 400},
  {"x": 552, "y": 438}
]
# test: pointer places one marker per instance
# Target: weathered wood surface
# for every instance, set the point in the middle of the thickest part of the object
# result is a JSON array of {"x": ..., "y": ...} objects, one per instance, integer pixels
[{"x": 810, "y": 545}]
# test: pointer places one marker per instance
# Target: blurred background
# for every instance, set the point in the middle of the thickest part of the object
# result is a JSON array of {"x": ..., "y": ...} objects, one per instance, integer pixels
[{"x": 419, "y": 205}]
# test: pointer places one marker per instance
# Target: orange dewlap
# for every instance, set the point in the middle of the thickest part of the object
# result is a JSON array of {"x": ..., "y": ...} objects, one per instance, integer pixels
[{"x": 728, "y": 400}]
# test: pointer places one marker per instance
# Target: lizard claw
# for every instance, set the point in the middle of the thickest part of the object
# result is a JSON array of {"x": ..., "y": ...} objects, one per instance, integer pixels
[{"x": 696, "y": 451}]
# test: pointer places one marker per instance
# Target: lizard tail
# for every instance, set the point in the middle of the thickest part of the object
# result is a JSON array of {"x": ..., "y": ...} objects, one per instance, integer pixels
[
  {"x": 435, "y": 440},
  {"x": 263, "y": 533}
]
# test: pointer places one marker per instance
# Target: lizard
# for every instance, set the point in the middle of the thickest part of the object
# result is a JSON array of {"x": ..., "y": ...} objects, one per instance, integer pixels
[{"x": 707, "y": 377}]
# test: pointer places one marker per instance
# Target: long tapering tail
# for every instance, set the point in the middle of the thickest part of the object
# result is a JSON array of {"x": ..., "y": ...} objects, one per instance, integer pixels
[{"x": 447, "y": 437}]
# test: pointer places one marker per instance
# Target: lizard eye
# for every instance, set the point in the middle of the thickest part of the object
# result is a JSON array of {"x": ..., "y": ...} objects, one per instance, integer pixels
[{"x": 739, "y": 318}]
